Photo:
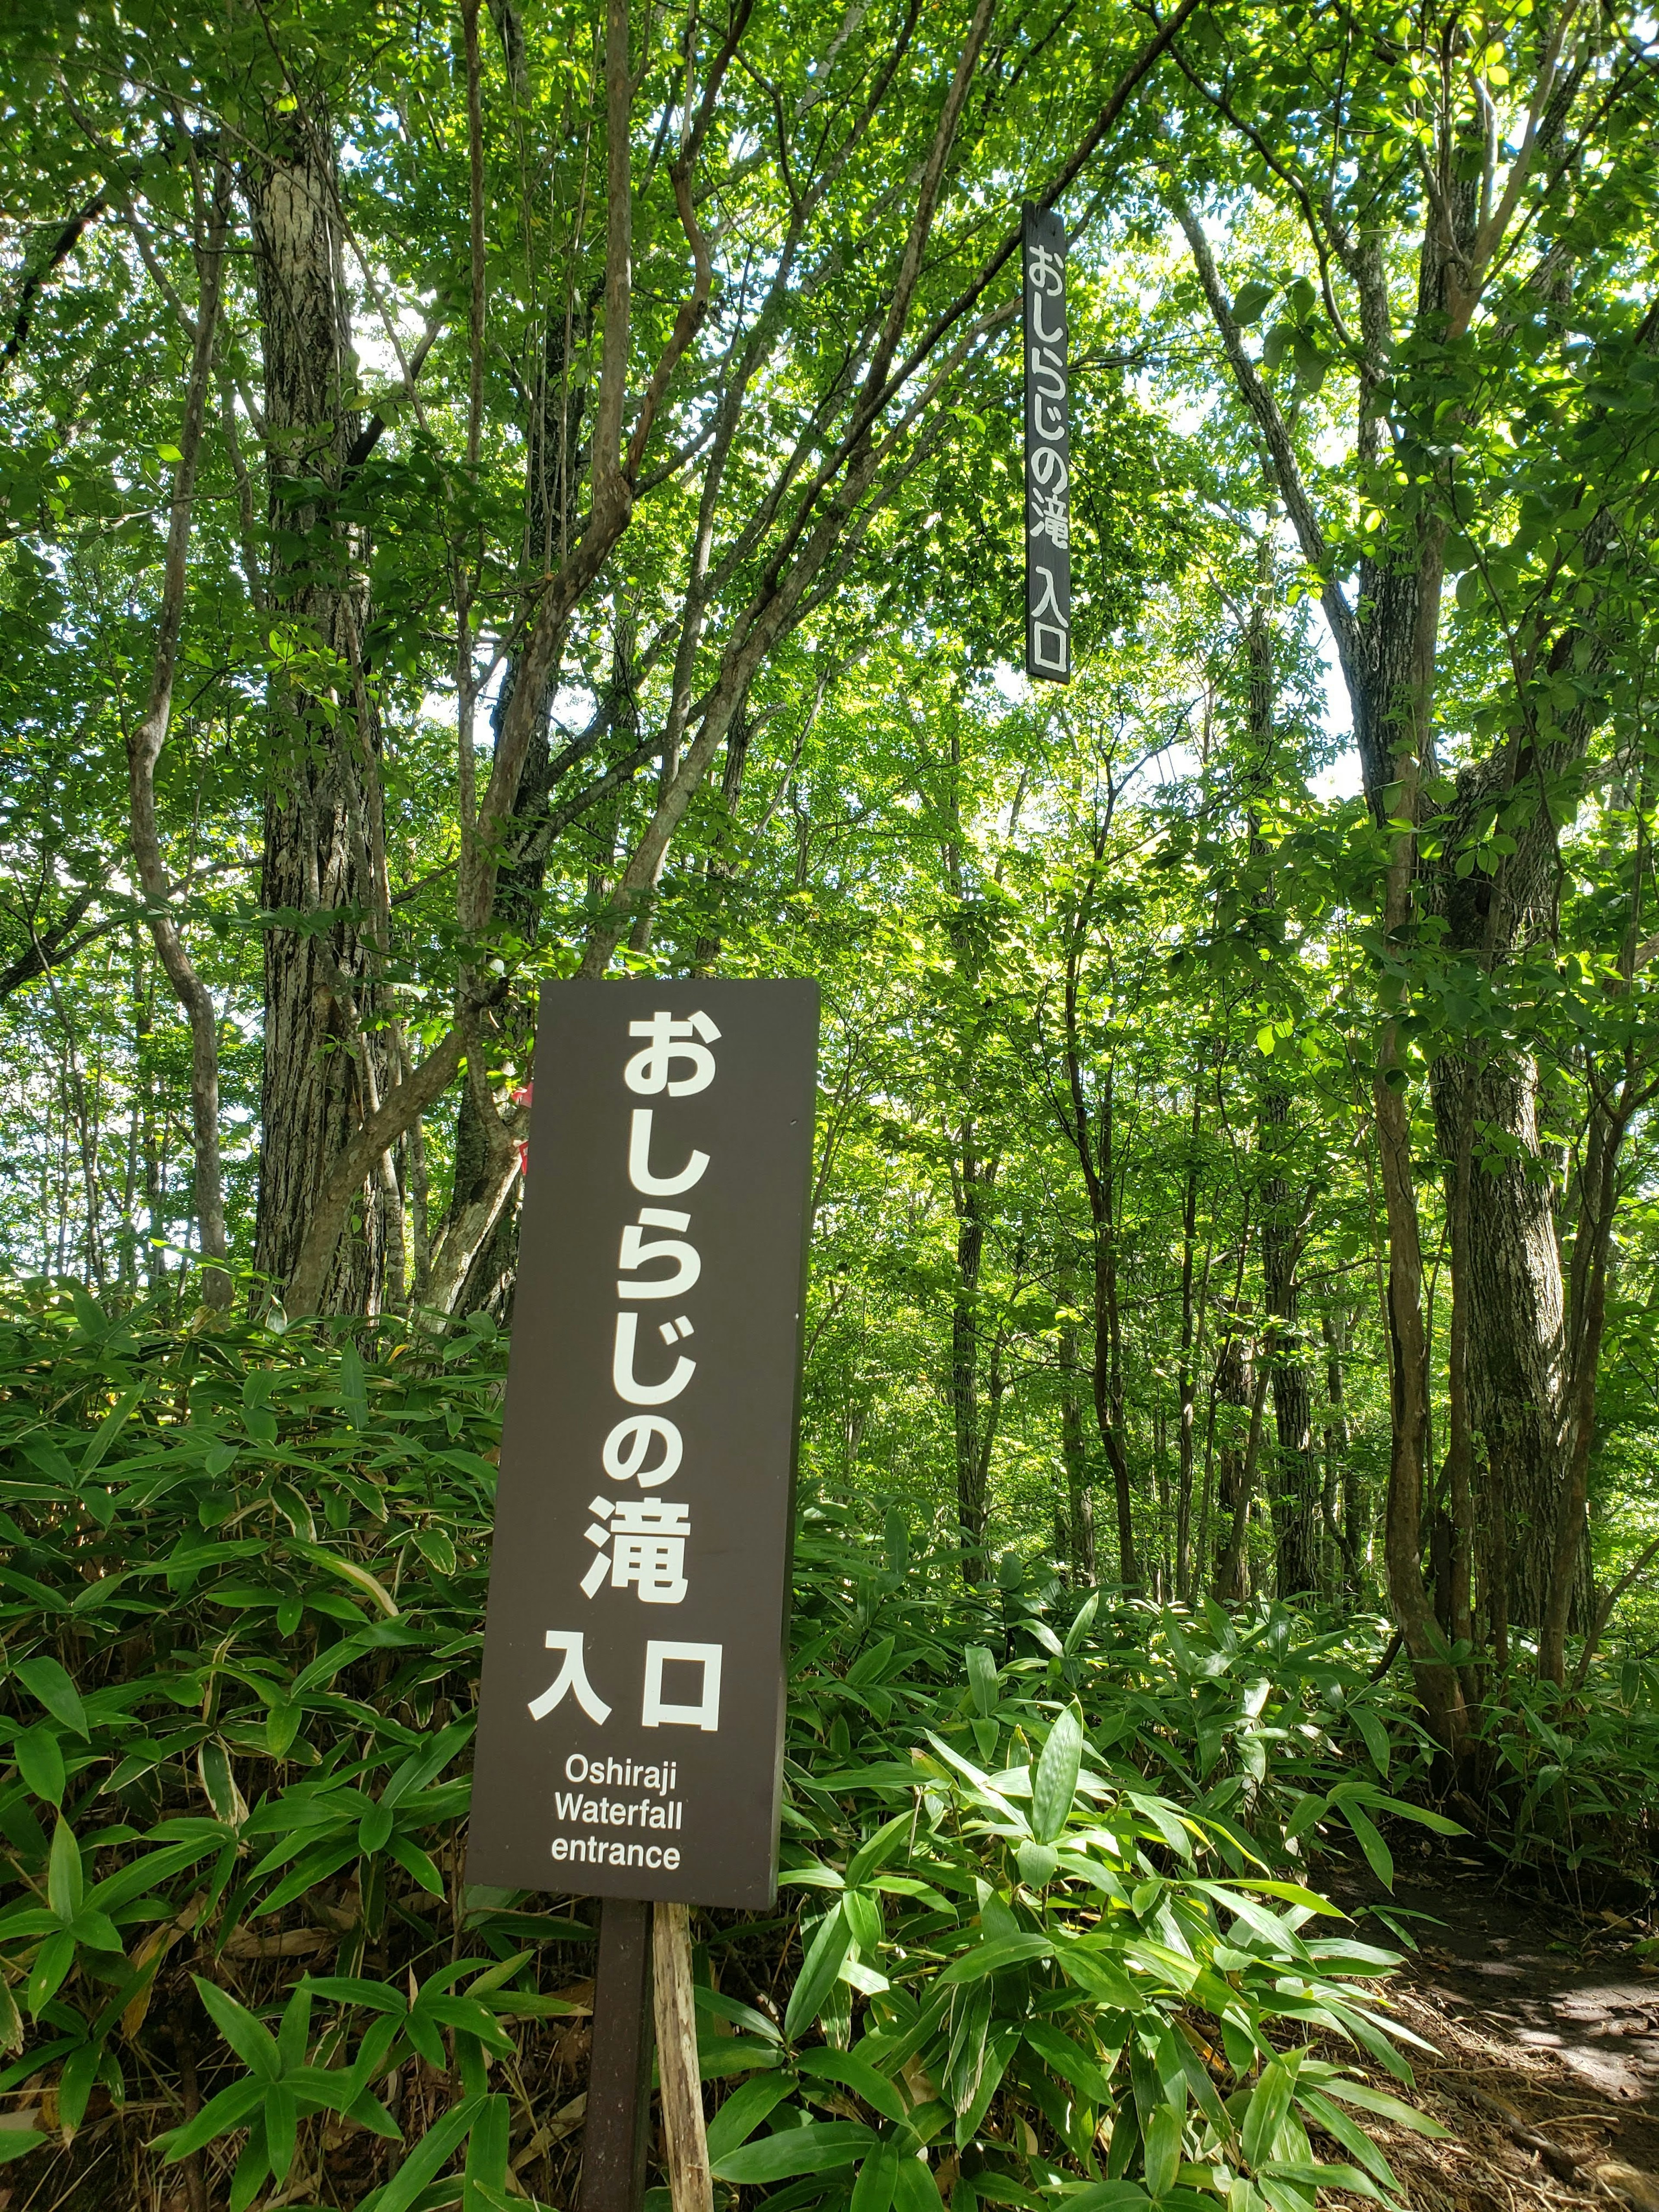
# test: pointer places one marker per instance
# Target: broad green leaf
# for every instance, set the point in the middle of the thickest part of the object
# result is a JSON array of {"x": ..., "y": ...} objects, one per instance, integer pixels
[
  {"x": 425, "y": 2162},
  {"x": 991, "y": 1957},
  {"x": 250, "y": 2042},
  {"x": 64, "y": 1885},
  {"x": 982, "y": 1679},
  {"x": 1377, "y": 1854},
  {"x": 876, "y": 2180},
  {"x": 743, "y": 2112},
  {"x": 821, "y": 2147},
  {"x": 818, "y": 1973},
  {"x": 857, "y": 2075},
  {"x": 45, "y": 1678},
  {"x": 1053, "y": 1785},
  {"x": 1161, "y": 2150},
  {"x": 41, "y": 1762},
  {"x": 1264, "y": 2115}
]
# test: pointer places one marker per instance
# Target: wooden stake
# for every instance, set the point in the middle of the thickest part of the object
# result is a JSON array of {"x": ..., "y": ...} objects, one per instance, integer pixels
[
  {"x": 690, "y": 2180},
  {"x": 618, "y": 2112}
]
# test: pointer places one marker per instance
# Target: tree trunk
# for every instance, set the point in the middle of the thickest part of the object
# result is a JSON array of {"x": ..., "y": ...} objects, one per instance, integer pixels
[
  {"x": 1079, "y": 1498},
  {"x": 322, "y": 1072},
  {"x": 1342, "y": 1514},
  {"x": 1295, "y": 1491},
  {"x": 1516, "y": 1315},
  {"x": 552, "y": 480},
  {"x": 1233, "y": 1383},
  {"x": 974, "y": 1179},
  {"x": 1192, "y": 1310}
]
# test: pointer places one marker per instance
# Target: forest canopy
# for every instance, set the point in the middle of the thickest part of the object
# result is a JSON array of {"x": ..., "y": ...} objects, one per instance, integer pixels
[{"x": 496, "y": 493}]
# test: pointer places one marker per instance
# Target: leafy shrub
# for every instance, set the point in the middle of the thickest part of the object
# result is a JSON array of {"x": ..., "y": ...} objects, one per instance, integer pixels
[
  {"x": 1047, "y": 1938},
  {"x": 1575, "y": 1795}
]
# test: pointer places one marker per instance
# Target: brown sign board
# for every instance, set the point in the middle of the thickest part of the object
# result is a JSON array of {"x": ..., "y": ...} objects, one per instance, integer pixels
[
  {"x": 631, "y": 1714},
  {"x": 1047, "y": 448}
]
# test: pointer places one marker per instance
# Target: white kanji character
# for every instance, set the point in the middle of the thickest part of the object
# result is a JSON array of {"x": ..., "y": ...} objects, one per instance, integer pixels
[
  {"x": 648, "y": 1539},
  {"x": 1045, "y": 270},
  {"x": 1049, "y": 603},
  {"x": 572, "y": 1676},
  {"x": 1053, "y": 520},
  {"x": 649, "y": 1071},
  {"x": 658, "y": 1712}
]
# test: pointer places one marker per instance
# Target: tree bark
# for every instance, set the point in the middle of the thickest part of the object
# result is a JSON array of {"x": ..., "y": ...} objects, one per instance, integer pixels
[
  {"x": 1342, "y": 1513},
  {"x": 144, "y": 745},
  {"x": 972, "y": 1178},
  {"x": 552, "y": 483},
  {"x": 322, "y": 1071},
  {"x": 1296, "y": 1486},
  {"x": 1192, "y": 1313},
  {"x": 1079, "y": 1498}
]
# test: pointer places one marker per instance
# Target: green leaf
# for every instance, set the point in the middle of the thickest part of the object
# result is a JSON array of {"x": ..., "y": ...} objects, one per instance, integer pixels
[
  {"x": 1352, "y": 2138},
  {"x": 1251, "y": 300},
  {"x": 991, "y": 1957},
  {"x": 1382, "y": 2104},
  {"x": 1054, "y": 1786},
  {"x": 1377, "y": 1854},
  {"x": 743, "y": 2112},
  {"x": 108, "y": 1429},
  {"x": 914, "y": 2189},
  {"x": 821, "y": 2147},
  {"x": 64, "y": 1883},
  {"x": 1000, "y": 2047},
  {"x": 433, "y": 2151},
  {"x": 1370, "y": 1724},
  {"x": 250, "y": 2042},
  {"x": 75, "y": 2083},
  {"x": 41, "y": 1762},
  {"x": 46, "y": 1679},
  {"x": 52, "y": 1962},
  {"x": 220, "y": 2116},
  {"x": 857, "y": 2075},
  {"x": 877, "y": 2179},
  {"x": 879, "y": 1849},
  {"x": 982, "y": 1679},
  {"x": 281, "y": 2130},
  {"x": 353, "y": 1386},
  {"x": 820, "y": 1970},
  {"x": 1264, "y": 2115},
  {"x": 1072, "y": 2063},
  {"x": 1037, "y": 1863},
  {"x": 486, "y": 2172},
  {"x": 1161, "y": 2141}
]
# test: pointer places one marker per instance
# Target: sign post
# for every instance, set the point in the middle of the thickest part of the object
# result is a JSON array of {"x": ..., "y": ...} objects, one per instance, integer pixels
[
  {"x": 631, "y": 1714},
  {"x": 1048, "y": 450}
]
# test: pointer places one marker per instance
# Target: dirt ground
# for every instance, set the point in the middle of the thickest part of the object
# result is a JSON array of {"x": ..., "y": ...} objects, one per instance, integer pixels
[{"x": 1545, "y": 2028}]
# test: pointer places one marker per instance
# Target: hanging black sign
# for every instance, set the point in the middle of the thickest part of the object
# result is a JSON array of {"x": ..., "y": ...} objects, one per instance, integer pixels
[
  {"x": 631, "y": 1716},
  {"x": 1047, "y": 452}
]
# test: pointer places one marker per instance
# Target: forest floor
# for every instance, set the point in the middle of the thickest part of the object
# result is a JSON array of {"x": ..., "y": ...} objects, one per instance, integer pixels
[{"x": 1545, "y": 2028}]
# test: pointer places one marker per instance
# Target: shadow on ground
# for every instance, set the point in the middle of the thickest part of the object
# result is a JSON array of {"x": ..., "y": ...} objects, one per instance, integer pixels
[{"x": 1545, "y": 2025}]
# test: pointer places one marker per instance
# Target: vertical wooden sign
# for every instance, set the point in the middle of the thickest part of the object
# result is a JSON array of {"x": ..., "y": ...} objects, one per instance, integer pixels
[
  {"x": 1048, "y": 451},
  {"x": 631, "y": 1714}
]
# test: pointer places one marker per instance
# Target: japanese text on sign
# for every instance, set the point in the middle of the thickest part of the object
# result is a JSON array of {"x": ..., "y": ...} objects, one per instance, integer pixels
[
  {"x": 1047, "y": 452},
  {"x": 638, "y": 1581}
]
